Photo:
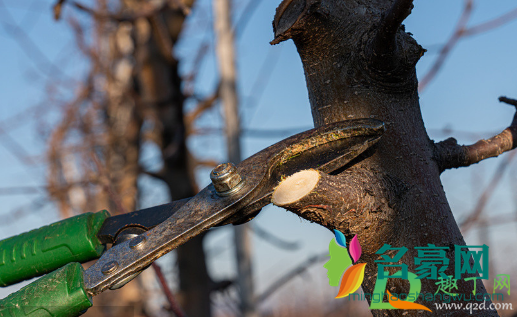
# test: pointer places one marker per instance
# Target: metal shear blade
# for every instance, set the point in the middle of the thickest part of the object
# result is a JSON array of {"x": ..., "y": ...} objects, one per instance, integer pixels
[{"x": 327, "y": 148}]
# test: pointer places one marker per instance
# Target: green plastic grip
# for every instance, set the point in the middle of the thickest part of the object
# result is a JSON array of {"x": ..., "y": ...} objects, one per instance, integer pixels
[
  {"x": 48, "y": 248},
  {"x": 58, "y": 294}
]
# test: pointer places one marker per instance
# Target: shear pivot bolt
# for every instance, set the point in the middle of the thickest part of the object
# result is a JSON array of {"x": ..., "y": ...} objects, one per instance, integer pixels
[
  {"x": 109, "y": 267},
  {"x": 137, "y": 242},
  {"x": 226, "y": 179}
]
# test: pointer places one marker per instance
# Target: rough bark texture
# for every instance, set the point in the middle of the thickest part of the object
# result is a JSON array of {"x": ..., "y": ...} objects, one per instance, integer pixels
[
  {"x": 449, "y": 154},
  {"x": 350, "y": 201},
  {"x": 360, "y": 63}
]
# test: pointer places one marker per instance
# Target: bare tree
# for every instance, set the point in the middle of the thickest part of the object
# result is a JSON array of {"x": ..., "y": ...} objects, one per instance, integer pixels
[
  {"x": 134, "y": 80},
  {"x": 229, "y": 98},
  {"x": 359, "y": 62}
]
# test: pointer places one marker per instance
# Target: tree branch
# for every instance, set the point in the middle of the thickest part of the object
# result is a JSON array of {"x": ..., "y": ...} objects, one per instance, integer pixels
[
  {"x": 349, "y": 202},
  {"x": 200, "y": 109},
  {"x": 290, "y": 275},
  {"x": 492, "y": 24},
  {"x": 384, "y": 43},
  {"x": 158, "y": 175},
  {"x": 512, "y": 102},
  {"x": 145, "y": 11},
  {"x": 448, "y": 154},
  {"x": 462, "y": 31},
  {"x": 400, "y": 10},
  {"x": 57, "y": 9},
  {"x": 475, "y": 216},
  {"x": 459, "y": 32},
  {"x": 274, "y": 240},
  {"x": 174, "y": 307},
  {"x": 27, "y": 210}
]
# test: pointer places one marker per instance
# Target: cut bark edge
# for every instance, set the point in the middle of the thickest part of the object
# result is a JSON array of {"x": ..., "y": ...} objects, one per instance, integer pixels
[{"x": 286, "y": 16}]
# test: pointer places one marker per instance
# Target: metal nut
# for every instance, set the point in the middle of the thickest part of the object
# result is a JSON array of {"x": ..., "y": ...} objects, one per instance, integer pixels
[
  {"x": 137, "y": 242},
  {"x": 109, "y": 268},
  {"x": 124, "y": 281},
  {"x": 128, "y": 234},
  {"x": 226, "y": 179}
]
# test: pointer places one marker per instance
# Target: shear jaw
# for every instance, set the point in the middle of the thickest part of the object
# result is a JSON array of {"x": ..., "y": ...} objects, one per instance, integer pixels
[{"x": 327, "y": 148}]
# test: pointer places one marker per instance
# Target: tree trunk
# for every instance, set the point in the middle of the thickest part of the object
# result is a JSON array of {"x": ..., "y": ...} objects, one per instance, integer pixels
[
  {"x": 133, "y": 92},
  {"x": 160, "y": 88},
  {"x": 118, "y": 164},
  {"x": 360, "y": 63},
  {"x": 228, "y": 93}
]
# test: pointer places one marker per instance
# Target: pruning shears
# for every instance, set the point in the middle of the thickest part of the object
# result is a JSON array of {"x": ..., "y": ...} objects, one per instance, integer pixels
[{"x": 236, "y": 195}]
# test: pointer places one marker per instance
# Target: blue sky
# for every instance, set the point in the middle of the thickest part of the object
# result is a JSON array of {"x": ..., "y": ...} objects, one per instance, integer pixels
[{"x": 463, "y": 96}]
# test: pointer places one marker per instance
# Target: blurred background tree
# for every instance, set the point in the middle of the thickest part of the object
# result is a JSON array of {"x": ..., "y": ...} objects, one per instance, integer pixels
[{"x": 122, "y": 105}]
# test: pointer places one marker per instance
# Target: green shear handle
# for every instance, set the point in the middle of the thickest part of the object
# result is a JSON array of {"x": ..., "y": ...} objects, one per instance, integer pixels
[
  {"x": 48, "y": 248},
  {"x": 58, "y": 294}
]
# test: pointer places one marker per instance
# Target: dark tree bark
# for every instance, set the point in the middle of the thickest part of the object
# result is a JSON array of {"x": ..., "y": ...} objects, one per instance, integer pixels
[{"x": 360, "y": 63}]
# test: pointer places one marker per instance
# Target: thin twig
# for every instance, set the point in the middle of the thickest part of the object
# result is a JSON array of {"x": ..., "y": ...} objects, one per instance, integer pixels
[
  {"x": 254, "y": 133},
  {"x": 23, "y": 211},
  {"x": 446, "y": 49},
  {"x": 145, "y": 12},
  {"x": 15, "y": 148},
  {"x": 181, "y": 5},
  {"x": 262, "y": 79},
  {"x": 245, "y": 17},
  {"x": 274, "y": 240},
  {"x": 469, "y": 222},
  {"x": 504, "y": 219},
  {"x": 203, "y": 106},
  {"x": 290, "y": 275},
  {"x": 492, "y": 24},
  {"x": 58, "y": 7},
  {"x": 449, "y": 154},
  {"x": 462, "y": 31},
  {"x": 175, "y": 308},
  {"x": 22, "y": 190},
  {"x": 107, "y": 184}
]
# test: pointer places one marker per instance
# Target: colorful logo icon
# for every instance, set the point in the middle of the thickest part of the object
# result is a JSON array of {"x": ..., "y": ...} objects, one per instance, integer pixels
[
  {"x": 350, "y": 277},
  {"x": 340, "y": 262}
]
